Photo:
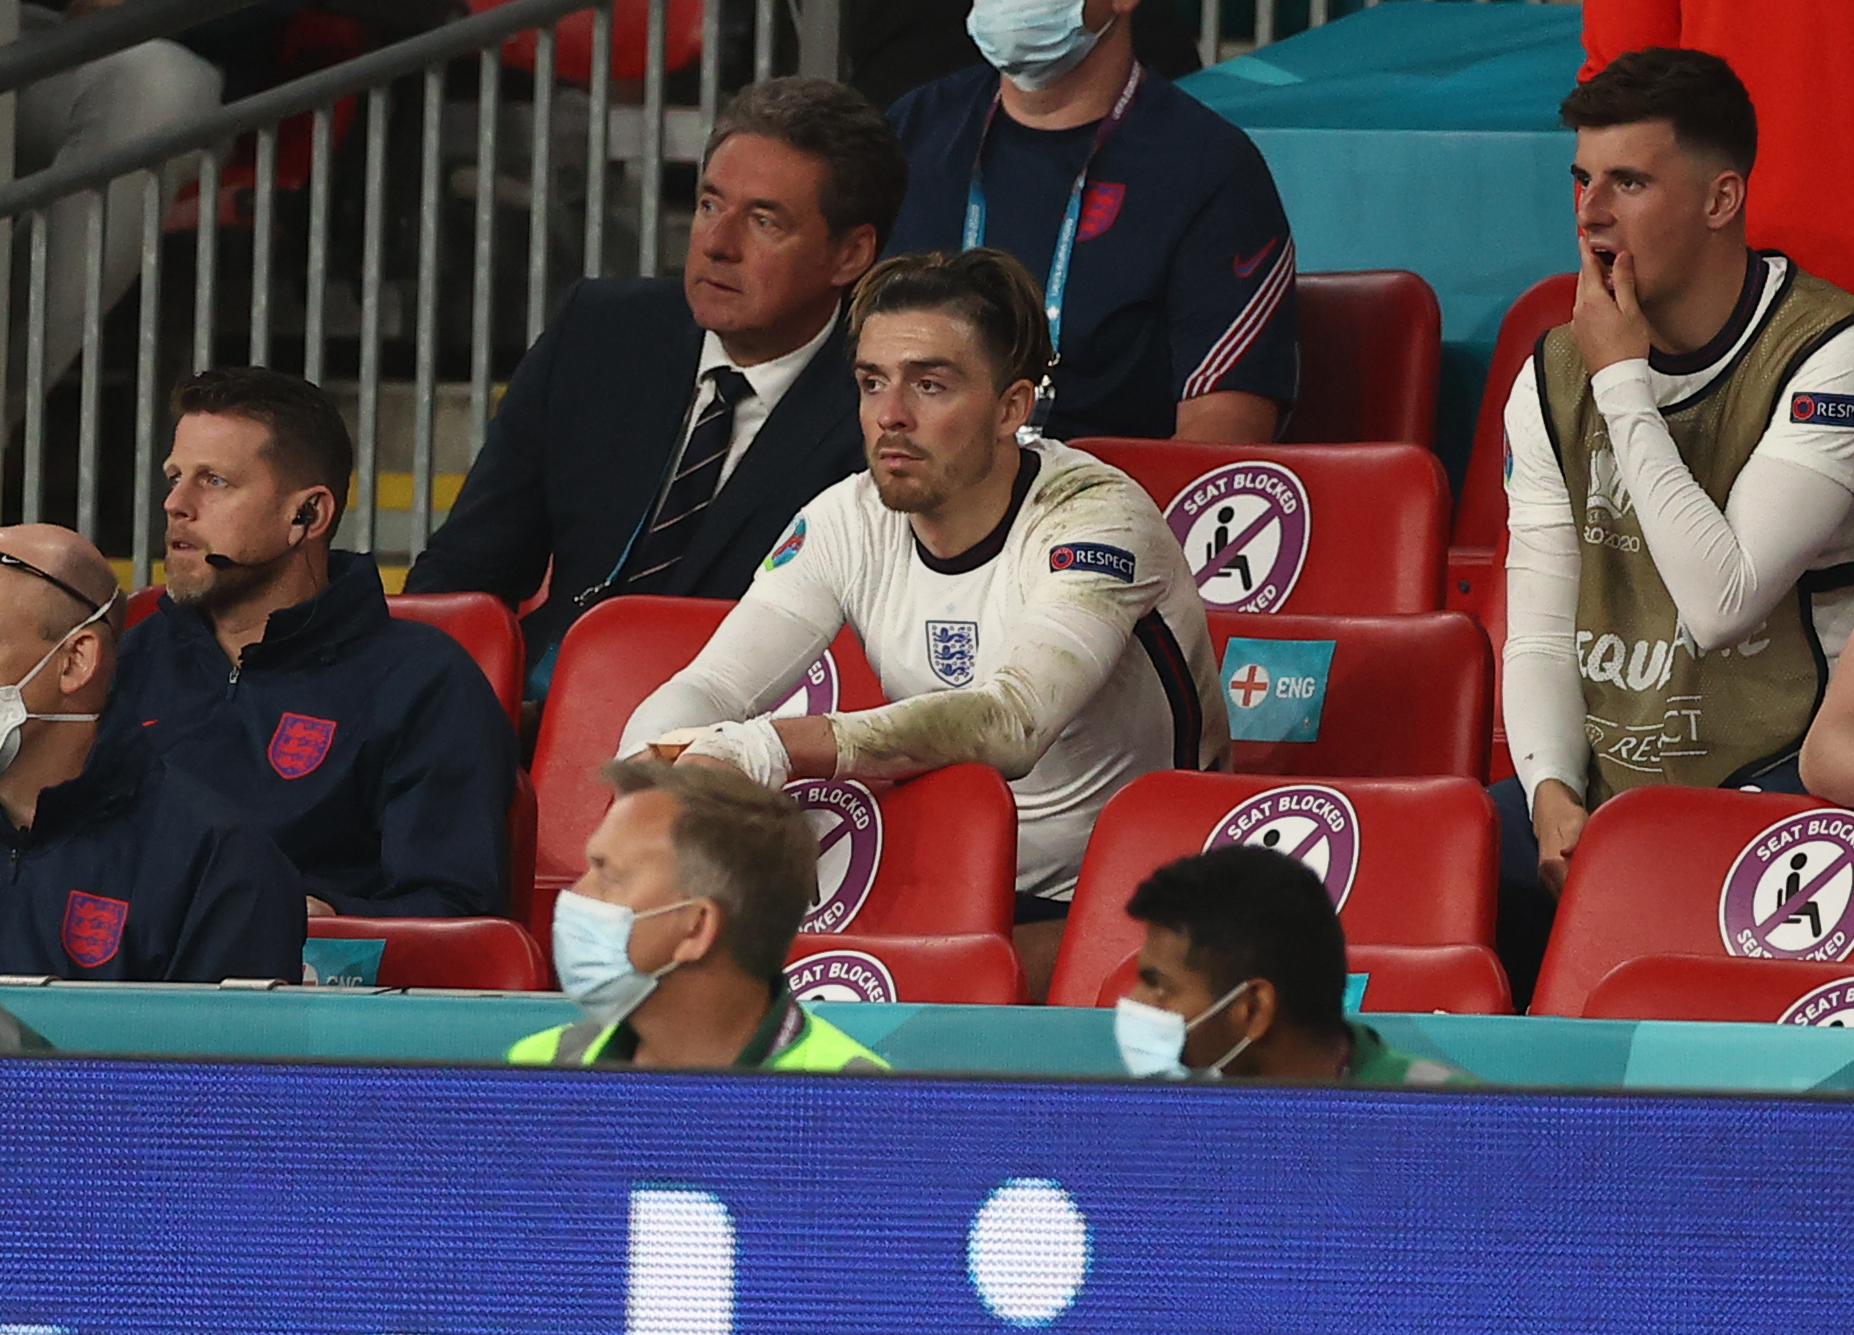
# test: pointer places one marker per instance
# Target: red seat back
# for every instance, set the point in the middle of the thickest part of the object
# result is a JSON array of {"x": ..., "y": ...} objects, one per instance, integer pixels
[
  {"x": 1650, "y": 873},
  {"x": 1405, "y": 695},
  {"x": 144, "y": 603},
  {"x": 948, "y": 855},
  {"x": 1462, "y": 980},
  {"x": 611, "y": 658},
  {"x": 573, "y": 40},
  {"x": 1370, "y": 357},
  {"x": 484, "y": 626},
  {"x": 1702, "y": 987},
  {"x": 1412, "y": 861},
  {"x": 1372, "y": 520},
  {"x": 977, "y": 969},
  {"x": 1480, "y": 519},
  {"x": 490, "y": 954}
]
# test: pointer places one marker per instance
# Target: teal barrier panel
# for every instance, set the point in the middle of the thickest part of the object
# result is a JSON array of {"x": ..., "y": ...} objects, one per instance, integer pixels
[
  {"x": 1422, "y": 137},
  {"x": 336, "y": 1024}
]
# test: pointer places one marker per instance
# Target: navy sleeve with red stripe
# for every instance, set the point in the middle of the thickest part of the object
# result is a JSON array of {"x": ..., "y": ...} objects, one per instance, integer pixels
[{"x": 1232, "y": 292}]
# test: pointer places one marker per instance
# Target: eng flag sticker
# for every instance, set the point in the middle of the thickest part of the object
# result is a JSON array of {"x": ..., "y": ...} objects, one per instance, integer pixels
[{"x": 1276, "y": 688}]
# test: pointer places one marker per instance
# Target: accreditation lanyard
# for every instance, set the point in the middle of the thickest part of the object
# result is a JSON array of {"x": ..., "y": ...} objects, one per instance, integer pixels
[{"x": 1055, "y": 289}]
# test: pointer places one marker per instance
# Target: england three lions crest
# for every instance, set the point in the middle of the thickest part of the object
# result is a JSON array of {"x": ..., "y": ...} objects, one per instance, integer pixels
[
  {"x": 300, "y": 744},
  {"x": 952, "y": 651}
]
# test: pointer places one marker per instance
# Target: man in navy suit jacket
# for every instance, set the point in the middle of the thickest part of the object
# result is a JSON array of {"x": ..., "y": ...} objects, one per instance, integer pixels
[{"x": 660, "y": 435}]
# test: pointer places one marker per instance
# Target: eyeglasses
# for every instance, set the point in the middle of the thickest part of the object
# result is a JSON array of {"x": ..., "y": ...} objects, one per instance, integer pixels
[{"x": 7, "y": 559}]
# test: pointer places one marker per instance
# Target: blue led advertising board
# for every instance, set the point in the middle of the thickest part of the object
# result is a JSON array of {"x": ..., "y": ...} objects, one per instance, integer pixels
[{"x": 171, "y": 1196}]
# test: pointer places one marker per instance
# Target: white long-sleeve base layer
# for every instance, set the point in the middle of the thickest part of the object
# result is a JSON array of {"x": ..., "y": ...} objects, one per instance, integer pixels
[
  {"x": 1790, "y": 510},
  {"x": 1041, "y": 652}
]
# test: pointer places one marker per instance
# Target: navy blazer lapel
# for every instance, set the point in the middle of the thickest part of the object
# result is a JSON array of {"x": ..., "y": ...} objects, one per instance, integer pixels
[
  {"x": 657, "y": 404},
  {"x": 804, "y": 422}
]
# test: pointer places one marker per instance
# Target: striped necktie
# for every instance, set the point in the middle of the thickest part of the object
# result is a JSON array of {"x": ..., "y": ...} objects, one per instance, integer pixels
[{"x": 690, "y": 491}]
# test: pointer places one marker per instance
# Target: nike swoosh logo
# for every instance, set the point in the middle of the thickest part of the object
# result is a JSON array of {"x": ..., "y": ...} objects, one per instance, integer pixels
[{"x": 1244, "y": 268}]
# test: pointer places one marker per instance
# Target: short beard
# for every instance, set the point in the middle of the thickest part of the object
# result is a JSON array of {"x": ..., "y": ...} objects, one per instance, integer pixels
[
  {"x": 905, "y": 496},
  {"x": 218, "y": 589}
]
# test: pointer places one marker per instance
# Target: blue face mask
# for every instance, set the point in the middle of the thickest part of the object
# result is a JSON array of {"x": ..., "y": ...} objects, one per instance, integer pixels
[
  {"x": 1152, "y": 1040},
  {"x": 1033, "y": 43},
  {"x": 592, "y": 955}
]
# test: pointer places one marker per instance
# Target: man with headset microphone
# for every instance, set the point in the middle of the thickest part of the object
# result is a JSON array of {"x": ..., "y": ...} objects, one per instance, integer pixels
[{"x": 372, "y": 750}]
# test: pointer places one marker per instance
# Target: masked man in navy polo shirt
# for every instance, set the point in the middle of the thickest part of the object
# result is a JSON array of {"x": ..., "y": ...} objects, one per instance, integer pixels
[
  {"x": 116, "y": 866},
  {"x": 372, "y": 750},
  {"x": 1152, "y": 223}
]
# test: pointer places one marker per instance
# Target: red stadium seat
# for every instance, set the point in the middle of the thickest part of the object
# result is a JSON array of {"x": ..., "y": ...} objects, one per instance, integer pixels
[
  {"x": 1480, "y": 518},
  {"x": 1462, "y": 980},
  {"x": 523, "y": 814},
  {"x": 1373, "y": 530},
  {"x": 1370, "y": 358},
  {"x": 573, "y": 40},
  {"x": 611, "y": 658},
  {"x": 976, "y": 969},
  {"x": 488, "y": 954},
  {"x": 1705, "y": 987},
  {"x": 1493, "y": 621},
  {"x": 483, "y": 625},
  {"x": 1664, "y": 870},
  {"x": 1411, "y": 861},
  {"x": 1406, "y": 695},
  {"x": 900, "y": 870},
  {"x": 144, "y": 603}
]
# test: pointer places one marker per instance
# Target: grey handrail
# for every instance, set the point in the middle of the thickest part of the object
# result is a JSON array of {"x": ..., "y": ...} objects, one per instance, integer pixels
[
  {"x": 37, "y": 55},
  {"x": 376, "y": 68}
]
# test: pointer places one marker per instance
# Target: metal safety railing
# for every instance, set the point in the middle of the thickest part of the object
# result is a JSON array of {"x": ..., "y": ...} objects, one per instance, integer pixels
[
  {"x": 1267, "y": 12},
  {"x": 648, "y": 135}
]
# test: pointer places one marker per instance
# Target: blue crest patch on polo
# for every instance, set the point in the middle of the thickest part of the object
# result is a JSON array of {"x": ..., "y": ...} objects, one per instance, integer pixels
[
  {"x": 1275, "y": 689},
  {"x": 952, "y": 651},
  {"x": 1093, "y": 558},
  {"x": 1822, "y": 409}
]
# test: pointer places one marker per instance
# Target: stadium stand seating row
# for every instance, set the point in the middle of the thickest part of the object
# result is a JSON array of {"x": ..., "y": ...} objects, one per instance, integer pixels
[{"x": 1409, "y": 841}]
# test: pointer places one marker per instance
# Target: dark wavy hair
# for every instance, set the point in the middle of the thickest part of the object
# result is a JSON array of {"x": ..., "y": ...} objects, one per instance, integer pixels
[
  {"x": 988, "y": 288},
  {"x": 1707, "y": 104}
]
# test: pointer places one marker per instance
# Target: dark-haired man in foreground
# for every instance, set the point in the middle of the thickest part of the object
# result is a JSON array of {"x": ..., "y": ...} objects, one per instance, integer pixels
[
  {"x": 1680, "y": 487},
  {"x": 118, "y": 868},
  {"x": 1243, "y": 973},
  {"x": 372, "y": 750}
]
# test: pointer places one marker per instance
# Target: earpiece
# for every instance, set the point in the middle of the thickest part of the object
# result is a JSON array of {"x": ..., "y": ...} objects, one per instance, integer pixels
[{"x": 305, "y": 515}]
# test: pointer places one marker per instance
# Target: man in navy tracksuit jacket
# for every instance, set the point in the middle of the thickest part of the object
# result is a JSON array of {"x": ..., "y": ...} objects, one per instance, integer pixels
[
  {"x": 372, "y": 750},
  {"x": 115, "y": 866}
]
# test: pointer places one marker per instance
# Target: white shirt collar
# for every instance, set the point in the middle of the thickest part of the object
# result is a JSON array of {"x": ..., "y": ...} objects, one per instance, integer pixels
[{"x": 770, "y": 380}]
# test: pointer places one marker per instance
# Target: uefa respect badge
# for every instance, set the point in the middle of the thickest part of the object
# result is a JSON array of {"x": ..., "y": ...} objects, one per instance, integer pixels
[
  {"x": 848, "y": 823},
  {"x": 1311, "y": 823},
  {"x": 1789, "y": 894},
  {"x": 840, "y": 975},
  {"x": 1276, "y": 688}
]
